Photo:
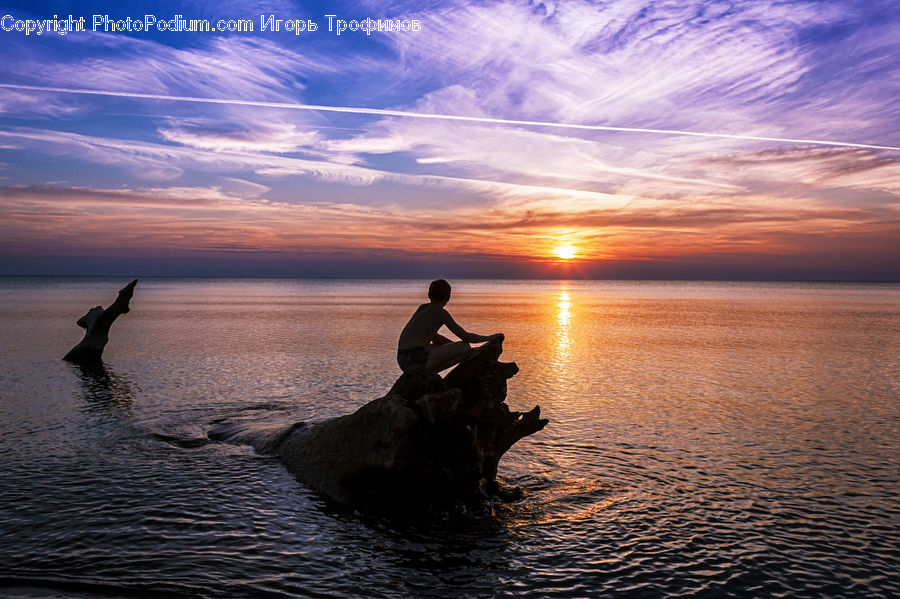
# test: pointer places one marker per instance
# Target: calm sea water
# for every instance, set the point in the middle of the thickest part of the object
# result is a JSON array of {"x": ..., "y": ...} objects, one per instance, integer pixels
[{"x": 706, "y": 439}]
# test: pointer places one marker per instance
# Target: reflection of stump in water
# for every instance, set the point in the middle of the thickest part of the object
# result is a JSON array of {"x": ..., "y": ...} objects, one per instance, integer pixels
[
  {"x": 96, "y": 324},
  {"x": 429, "y": 441},
  {"x": 103, "y": 389}
]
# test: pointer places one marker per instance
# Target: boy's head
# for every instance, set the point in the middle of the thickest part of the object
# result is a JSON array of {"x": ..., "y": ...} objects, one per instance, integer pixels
[{"x": 439, "y": 291}]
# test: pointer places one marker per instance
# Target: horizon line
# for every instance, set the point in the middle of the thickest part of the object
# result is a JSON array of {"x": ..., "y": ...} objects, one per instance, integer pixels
[{"x": 458, "y": 278}]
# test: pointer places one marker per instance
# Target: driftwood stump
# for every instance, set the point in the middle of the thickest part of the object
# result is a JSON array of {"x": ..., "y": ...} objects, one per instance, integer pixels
[
  {"x": 428, "y": 442},
  {"x": 96, "y": 324}
]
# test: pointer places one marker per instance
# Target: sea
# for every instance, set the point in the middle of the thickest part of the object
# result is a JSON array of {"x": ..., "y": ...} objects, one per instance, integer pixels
[{"x": 706, "y": 439}]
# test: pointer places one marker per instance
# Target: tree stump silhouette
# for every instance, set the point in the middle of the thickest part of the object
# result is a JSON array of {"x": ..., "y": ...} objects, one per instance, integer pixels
[
  {"x": 96, "y": 324},
  {"x": 430, "y": 441}
]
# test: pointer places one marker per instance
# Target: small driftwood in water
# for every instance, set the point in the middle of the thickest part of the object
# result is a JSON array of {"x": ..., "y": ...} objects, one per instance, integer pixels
[
  {"x": 429, "y": 441},
  {"x": 96, "y": 324}
]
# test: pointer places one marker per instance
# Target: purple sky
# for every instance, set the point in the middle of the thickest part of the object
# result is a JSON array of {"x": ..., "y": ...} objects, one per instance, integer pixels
[{"x": 126, "y": 184}]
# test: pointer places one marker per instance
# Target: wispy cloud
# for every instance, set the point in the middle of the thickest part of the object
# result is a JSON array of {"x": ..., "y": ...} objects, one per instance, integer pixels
[
  {"x": 211, "y": 218},
  {"x": 441, "y": 116},
  {"x": 234, "y": 67},
  {"x": 159, "y": 161},
  {"x": 632, "y": 63},
  {"x": 256, "y": 136}
]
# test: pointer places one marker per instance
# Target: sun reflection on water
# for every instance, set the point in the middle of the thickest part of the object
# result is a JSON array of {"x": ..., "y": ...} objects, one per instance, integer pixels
[{"x": 563, "y": 316}]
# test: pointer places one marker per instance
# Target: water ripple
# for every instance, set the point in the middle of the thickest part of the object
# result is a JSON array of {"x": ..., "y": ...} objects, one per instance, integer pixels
[{"x": 705, "y": 441}]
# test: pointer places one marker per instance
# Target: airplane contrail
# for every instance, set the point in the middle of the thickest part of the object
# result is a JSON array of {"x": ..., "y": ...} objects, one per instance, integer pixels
[{"x": 446, "y": 117}]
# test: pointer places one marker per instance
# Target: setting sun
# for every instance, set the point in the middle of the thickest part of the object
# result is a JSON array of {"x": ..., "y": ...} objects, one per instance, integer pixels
[{"x": 565, "y": 252}]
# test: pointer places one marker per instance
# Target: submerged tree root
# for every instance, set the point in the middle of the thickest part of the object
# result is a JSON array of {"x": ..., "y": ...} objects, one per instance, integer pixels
[{"x": 428, "y": 442}]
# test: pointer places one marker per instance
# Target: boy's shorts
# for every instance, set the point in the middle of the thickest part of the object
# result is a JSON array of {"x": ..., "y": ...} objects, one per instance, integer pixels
[{"x": 409, "y": 357}]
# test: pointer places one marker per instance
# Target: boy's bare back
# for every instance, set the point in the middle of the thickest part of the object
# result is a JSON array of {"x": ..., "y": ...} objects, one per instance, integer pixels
[{"x": 423, "y": 325}]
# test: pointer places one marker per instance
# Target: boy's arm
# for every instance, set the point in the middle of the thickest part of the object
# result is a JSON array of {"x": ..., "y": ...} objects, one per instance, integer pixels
[
  {"x": 463, "y": 334},
  {"x": 439, "y": 339}
]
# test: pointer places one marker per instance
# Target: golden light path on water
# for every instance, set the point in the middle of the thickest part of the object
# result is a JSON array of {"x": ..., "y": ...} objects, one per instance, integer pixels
[
  {"x": 576, "y": 499},
  {"x": 563, "y": 315}
]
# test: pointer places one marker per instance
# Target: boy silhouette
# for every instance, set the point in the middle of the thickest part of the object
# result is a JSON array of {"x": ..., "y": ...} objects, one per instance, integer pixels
[{"x": 420, "y": 342}]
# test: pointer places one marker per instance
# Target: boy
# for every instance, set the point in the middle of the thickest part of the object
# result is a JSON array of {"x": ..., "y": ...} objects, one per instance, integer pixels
[{"x": 420, "y": 343}]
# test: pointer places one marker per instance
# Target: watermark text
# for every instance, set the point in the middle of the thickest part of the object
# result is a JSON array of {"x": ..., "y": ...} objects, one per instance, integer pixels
[{"x": 265, "y": 24}]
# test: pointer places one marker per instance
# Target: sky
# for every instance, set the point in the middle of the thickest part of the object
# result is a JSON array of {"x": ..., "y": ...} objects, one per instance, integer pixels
[{"x": 751, "y": 139}]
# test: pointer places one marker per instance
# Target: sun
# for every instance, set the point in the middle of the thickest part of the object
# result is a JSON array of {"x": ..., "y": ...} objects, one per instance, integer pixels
[{"x": 565, "y": 252}]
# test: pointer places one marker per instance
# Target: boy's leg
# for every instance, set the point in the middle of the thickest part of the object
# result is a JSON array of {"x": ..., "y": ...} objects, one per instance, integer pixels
[{"x": 441, "y": 357}]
